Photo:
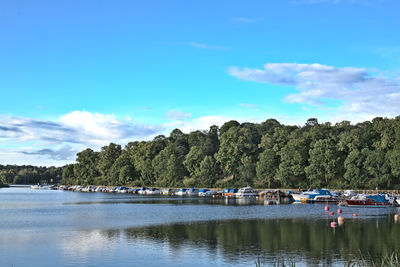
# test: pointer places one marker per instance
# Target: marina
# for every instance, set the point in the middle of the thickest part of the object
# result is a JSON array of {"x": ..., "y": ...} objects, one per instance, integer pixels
[{"x": 270, "y": 196}]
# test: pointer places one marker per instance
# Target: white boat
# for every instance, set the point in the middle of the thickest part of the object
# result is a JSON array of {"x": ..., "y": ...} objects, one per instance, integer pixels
[
  {"x": 122, "y": 190},
  {"x": 152, "y": 191},
  {"x": 207, "y": 193},
  {"x": 99, "y": 189},
  {"x": 142, "y": 191},
  {"x": 349, "y": 193},
  {"x": 317, "y": 195},
  {"x": 167, "y": 192},
  {"x": 247, "y": 192},
  {"x": 40, "y": 186},
  {"x": 192, "y": 192},
  {"x": 181, "y": 192}
]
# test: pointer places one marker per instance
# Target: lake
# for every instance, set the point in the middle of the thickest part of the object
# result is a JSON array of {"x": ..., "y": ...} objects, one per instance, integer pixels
[{"x": 63, "y": 228}]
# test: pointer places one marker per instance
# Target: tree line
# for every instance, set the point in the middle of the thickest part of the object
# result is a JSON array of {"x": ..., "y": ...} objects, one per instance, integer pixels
[
  {"x": 268, "y": 155},
  {"x": 13, "y": 174}
]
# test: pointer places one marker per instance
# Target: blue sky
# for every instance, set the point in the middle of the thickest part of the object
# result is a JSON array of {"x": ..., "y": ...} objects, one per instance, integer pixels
[{"x": 77, "y": 74}]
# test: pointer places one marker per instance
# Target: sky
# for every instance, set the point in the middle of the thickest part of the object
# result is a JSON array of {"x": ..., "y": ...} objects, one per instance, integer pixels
[{"x": 77, "y": 74}]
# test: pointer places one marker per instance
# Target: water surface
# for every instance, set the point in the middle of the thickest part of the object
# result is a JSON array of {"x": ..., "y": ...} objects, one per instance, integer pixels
[{"x": 59, "y": 228}]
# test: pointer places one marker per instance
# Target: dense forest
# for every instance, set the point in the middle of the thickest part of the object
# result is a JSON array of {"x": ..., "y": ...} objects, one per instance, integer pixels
[
  {"x": 269, "y": 154},
  {"x": 12, "y": 174}
]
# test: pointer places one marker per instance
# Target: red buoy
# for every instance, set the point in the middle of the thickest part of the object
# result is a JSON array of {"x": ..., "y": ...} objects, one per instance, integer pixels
[
  {"x": 331, "y": 213},
  {"x": 333, "y": 224},
  {"x": 339, "y": 211},
  {"x": 326, "y": 208}
]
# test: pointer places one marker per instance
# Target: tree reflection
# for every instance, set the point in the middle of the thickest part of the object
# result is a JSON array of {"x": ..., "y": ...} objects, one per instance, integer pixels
[{"x": 310, "y": 241}]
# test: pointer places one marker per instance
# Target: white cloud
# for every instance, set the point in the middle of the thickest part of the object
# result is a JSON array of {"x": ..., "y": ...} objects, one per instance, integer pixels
[
  {"x": 65, "y": 152},
  {"x": 361, "y": 94},
  {"x": 75, "y": 127},
  {"x": 59, "y": 140}
]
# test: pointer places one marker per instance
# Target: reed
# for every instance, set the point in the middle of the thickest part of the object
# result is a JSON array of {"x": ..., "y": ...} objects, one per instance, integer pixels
[
  {"x": 388, "y": 260},
  {"x": 279, "y": 262}
]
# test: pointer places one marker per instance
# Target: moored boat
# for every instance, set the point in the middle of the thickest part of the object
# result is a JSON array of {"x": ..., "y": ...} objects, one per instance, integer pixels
[
  {"x": 142, "y": 191},
  {"x": 228, "y": 192},
  {"x": 167, "y": 192},
  {"x": 246, "y": 192},
  {"x": 181, "y": 192},
  {"x": 192, "y": 192},
  {"x": 207, "y": 193},
  {"x": 35, "y": 186},
  {"x": 153, "y": 191},
  {"x": 369, "y": 201},
  {"x": 316, "y": 195}
]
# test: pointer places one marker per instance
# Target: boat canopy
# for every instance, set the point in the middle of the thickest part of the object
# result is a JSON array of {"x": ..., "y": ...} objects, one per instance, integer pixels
[
  {"x": 377, "y": 198},
  {"x": 324, "y": 192}
]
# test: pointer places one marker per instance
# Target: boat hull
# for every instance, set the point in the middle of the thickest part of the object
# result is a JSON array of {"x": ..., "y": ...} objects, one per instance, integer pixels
[{"x": 367, "y": 204}]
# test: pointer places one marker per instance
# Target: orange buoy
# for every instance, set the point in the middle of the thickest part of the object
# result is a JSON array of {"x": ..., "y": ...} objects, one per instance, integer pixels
[
  {"x": 326, "y": 208},
  {"x": 355, "y": 214},
  {"x": 333, "y": 224},
  {"x": 339, "y": 211},
  {"x": 331, "y": 213},
  {"x": 340, "y": 219}
]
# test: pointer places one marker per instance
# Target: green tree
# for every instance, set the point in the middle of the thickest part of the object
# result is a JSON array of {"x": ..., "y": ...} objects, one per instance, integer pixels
[
  {"x": 175, "y": 171},
  {"x": 236, "y": 144},
  {"x": 378, "y": 168},
  {"x": 122, "y": 171},
  {"x": 228, "y": 125},
  {"x": 324, "y": 163},
  {"x": 208, "y": 172},
  {"x": 86, "y": 168},
  {"x": 193, "y": 160},
  {"x": 108, "y": 156},
  {"x": 68, "y": 176},
  {"x": 159, "y": 165},
  {"x": 267, "y": 166},
  {"x": 355, "y": 173},
  {"x": 294, "y": 158}
]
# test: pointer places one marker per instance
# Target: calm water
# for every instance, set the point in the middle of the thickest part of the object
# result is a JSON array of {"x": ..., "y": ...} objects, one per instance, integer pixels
[{"x": 57, "y": 228}]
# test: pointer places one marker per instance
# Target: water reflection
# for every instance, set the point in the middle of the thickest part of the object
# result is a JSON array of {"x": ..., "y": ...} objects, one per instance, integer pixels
[
  {"x": 311, "y": 241},
  {"x": 173, "y": 200}
]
